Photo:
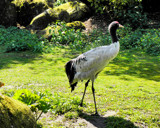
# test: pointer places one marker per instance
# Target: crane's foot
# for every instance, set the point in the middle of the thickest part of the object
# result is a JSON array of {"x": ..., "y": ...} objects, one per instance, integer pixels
[
  {"x": 81, "y": 104},
  {"x": 96, "y": 114}
]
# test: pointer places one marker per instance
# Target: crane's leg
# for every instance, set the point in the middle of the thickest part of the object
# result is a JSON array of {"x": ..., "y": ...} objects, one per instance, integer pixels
[
  {"x": 93, "y": 91},
  {"x": 86, "y": 84}
]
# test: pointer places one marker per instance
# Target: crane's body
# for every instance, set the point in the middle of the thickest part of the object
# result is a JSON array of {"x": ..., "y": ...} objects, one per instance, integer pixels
[{"x": 88, "y": 65}]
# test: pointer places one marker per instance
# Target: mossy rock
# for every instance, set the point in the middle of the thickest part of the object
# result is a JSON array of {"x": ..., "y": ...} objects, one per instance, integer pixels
[
  {"x": 69, "y": 11},
  {"x": 77, "y": 10},
  {"x": 15, "y": 114},
  {"x": 50, "y": 15},
  {"x": 76, "y": 25},
  {"x": 28, "y": 9}
]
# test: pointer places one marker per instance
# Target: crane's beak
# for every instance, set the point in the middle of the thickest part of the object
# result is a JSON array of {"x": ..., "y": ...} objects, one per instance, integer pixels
[{"x": 121, "y": 26}]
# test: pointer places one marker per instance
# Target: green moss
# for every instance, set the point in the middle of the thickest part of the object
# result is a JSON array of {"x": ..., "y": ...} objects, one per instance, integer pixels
[
  {"x": 15, "y": 114},
  {"x": 76, "y": 25},
  {"x": 21, "y": 3},
  {"x": 50, "y": 15},
  {"x": 75, "y": 9}
]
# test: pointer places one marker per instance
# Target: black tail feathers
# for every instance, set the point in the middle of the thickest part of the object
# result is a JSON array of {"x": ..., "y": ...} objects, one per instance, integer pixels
[{"x": 70, "y": 71}]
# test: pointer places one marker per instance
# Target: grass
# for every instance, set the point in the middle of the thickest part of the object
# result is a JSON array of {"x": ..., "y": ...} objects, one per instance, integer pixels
[{"x": 129, "y": 85}]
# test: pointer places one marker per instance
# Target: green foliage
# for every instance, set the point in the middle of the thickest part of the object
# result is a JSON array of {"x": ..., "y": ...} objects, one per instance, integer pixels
[
  {"x": 62, "y": 104},
  {"x": 78, "y": 40},
  {"x": 68, "y": 36},
  {"x": 110, "y": 5},
  {"x": 59, "y": 2},
  {"x": 35, "y": 100},
  {"x": 150, "y": 41},
  {"x": 26, "y": 96},
  {"x": 15, "y": 39},
  {"x": 129, "y": 38},
  {"x": 144, "y": 39},
  {"x": 126, "y": 11},
  {"x": 133, "y": 15},
  {"x": 100, "y": 5},
  {"x": 71, "y": 115},
  {"x": 46, "y": 101}
]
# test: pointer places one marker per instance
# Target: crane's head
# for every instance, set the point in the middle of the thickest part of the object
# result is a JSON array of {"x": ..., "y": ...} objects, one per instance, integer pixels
[{"x": 114, "y": 25}]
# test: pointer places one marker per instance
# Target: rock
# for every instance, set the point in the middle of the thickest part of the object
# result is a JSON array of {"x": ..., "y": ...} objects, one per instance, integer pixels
[
  {"x": 15, "y": 114},
  {"x": 69, "y": 11},
  {"x": 76, "y": 10},
  {"x": 50, "y": 15},
  {"x": 28, "y": 9},
  {"x": 8, "y": 13}
]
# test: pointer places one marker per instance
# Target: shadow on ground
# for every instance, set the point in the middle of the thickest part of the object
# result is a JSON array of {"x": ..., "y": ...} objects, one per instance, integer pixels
[
  {"x": 16, "y": 58},
  {"x": 108, "y": 122}
]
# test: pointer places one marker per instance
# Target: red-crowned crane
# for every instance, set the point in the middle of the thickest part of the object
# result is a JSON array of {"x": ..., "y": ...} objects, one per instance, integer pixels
[{"x": 88, "y": 65}]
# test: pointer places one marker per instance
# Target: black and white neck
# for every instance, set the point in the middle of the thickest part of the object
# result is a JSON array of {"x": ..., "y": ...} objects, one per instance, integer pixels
[{"x": 112, "y": 30}]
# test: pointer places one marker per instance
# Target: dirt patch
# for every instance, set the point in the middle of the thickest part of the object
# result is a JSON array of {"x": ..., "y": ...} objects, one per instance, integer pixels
[{"x": 84, "y": 121}]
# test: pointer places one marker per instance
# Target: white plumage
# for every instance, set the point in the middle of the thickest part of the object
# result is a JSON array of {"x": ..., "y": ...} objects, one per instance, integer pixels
[{"x": 88, "y": 65}]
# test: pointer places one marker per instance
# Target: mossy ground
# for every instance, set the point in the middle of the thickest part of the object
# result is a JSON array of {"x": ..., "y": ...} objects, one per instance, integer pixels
[{"x": 129, "y": 86}]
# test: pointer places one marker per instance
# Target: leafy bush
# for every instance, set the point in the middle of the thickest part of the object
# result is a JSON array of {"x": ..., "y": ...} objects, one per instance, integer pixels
[
  {"x": 150, "y": 41},
  {"x": 133, "y": 15},
  {"x": 78, "y": 40},
  {"x": 57, "y": 103},
  {"x": 144, "y": 39},
  {"x": 68, "y": 36},
  {"x": 126, "y": 11},
  {"x": 26, "y": 96},
  {"x": 59, "y": 2},
  {"x": 129, "y": 38},
  {"x": 19, "y": 40},
  {"x": 33, "y": 99},
  {"x": 110, "y": 5},
  {"x": 37, "y": 101},
  {"x": 15, "y": 39}
]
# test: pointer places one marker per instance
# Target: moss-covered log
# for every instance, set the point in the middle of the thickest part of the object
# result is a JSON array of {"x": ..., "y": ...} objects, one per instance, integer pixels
[
  {"x": 69, "y": 11},
  {"x": 15, "y": 114}
]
